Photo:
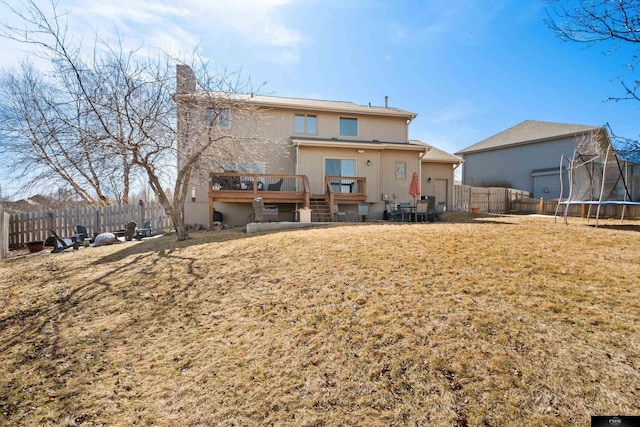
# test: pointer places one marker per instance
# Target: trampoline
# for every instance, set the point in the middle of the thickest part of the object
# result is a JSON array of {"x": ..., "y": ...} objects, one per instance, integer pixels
[{"x": 597, "y": 176}]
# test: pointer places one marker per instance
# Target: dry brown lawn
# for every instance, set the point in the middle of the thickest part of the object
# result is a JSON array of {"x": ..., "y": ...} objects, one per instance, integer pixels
[{"x": 492, "y": 321}]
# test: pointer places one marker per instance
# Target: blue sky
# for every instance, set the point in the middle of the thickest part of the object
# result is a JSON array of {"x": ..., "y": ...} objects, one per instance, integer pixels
[{"x": 468, "y": 68}]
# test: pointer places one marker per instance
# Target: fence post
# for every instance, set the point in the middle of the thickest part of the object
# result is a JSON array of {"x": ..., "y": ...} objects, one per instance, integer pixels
[
  {"x": 541, "y": 206},
  {"x": 507, "y": 200},
  {"x": 141, "y": 212},
  {"x": 4, "y": 234}
]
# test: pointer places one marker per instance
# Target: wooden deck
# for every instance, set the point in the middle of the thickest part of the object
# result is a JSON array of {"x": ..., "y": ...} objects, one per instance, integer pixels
[{"x": 231, "y": 187}]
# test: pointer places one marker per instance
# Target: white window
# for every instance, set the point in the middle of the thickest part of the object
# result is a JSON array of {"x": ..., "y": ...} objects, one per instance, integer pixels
[
  {"x": 306, "y": 123},
  {"x": 215, "y": 117},
  {"x": 348, "y": 126},
  {"x": 401, "y": 170}
]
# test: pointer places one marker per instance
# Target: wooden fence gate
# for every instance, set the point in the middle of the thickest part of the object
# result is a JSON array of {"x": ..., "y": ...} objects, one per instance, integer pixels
[{"x": 486, "y": 199}]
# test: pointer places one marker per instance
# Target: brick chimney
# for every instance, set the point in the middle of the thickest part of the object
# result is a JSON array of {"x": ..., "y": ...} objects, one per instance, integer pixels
[{"x": 185, "y": 79}]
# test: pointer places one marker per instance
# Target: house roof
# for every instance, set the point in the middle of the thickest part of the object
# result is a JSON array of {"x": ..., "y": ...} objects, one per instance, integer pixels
[
  {"x": 303, "y": 104},
  {"x": 432, "y": 154},
  {"x": 187, "y": 89},
  {"x": 436, "y": 155},
  {"x": 358, "y": 144},
  {"x": 528, "y": 132},
  {"x": 324, "y": 105}
]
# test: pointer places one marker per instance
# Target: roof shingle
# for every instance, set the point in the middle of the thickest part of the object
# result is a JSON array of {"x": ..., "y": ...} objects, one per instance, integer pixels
[{"x": 527, "y": 132}]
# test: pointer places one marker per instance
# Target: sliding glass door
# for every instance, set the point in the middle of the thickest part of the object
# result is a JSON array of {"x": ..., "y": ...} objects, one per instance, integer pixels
[{"x": 342, "y": 168}]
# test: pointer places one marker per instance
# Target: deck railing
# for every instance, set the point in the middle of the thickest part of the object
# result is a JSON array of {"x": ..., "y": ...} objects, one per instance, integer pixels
[
  {"x": 237, "y": 187},
  {"x": 342, "y": 185},
  {"x": 244, "y": 185}
]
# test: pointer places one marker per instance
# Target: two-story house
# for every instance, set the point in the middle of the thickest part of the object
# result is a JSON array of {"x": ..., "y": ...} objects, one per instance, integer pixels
[{"x": 318, "y": 154}]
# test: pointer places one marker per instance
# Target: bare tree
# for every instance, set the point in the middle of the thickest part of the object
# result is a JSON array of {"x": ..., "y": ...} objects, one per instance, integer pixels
[
  {"x": 612, "y": 23},
  {"x": 45, "y": 134},
  {"x": 55, "y": 125},
  {"x": 118, "y": 116}
]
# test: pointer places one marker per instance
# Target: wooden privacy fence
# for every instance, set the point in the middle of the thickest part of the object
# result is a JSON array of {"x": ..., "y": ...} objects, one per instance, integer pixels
[
  {"x": 548, "y": 207},
  {"x": 486, "y": 199},
  {"x": 29, "y": 226},
  {"x": 509, "y": 200},
  {"x": 4, "y": 234}
]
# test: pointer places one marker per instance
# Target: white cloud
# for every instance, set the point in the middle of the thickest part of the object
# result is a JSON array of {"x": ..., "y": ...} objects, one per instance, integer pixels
[{"x": 179, "y": 25}]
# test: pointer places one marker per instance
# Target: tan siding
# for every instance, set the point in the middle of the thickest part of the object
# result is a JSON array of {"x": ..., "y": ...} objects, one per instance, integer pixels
[
  {"x": 311, "y": 163},
  {"x": 437, "y": 171},
  {"x": 389, "y": 184},
  {"x": 382, "y": 129},
  {"x": 389, "y": 129}
]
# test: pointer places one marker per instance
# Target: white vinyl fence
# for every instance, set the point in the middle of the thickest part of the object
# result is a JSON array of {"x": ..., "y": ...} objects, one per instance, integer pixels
[{"x": 29, "y": 226}]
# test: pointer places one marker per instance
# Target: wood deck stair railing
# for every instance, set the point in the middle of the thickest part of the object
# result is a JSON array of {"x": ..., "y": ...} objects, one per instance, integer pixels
[{"x": 320, "y": 210}]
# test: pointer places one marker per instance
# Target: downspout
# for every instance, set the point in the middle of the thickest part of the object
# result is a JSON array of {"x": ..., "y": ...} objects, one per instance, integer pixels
[
  {"x": 297, "y": 154},
  {"x": 297, "y": 169},
  {"x": 420, "y": 157},
  {"x": 378, "y": 177}
]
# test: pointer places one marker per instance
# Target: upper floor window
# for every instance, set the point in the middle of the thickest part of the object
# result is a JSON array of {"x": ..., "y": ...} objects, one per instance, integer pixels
[
  {"x": 215, "y": 117},
  {"x": 305, "y": 123},
  {"x": 348, "y": 126}
]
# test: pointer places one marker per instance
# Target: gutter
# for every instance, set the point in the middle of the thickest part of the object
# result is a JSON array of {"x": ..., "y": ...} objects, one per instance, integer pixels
[{"x": 358, "y": 145}]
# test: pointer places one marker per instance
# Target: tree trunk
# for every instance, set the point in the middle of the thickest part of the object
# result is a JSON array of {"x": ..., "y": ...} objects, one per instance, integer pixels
[{"x": 181, "y": 228}]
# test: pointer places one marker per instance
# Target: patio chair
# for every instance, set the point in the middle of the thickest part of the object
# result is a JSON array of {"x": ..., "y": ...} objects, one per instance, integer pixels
[
  {"x": 434, "y": 214},
  {"x": 61, "y": 244},
  {"x": 264, "y": 213},
  {"x": 422, "y": 208},
  {"x": 392, "y": 212},
  {"x": 82, "y": 234},
  {"x": 130, "y": 231},
  {"x": 439, "y": 210},
  {"x": 337, "y": 214},
  {"x": 363, "y": 211},
  {"x": 406, "y": 211},
  {"x": 275, "y": 186},
  {"x": 145, "y": 231}
]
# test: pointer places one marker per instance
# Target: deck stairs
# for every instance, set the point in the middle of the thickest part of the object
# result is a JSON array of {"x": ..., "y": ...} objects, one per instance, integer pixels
[{"x": 320, "y": 210}]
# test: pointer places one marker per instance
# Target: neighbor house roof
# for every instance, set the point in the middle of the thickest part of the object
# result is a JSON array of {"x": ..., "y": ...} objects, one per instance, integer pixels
[{"x": 528, "y": 132}]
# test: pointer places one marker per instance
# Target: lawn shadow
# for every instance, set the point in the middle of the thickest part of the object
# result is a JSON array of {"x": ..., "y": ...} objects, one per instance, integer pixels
[
  {"x": 492, "y": 222},
  {"x": 168, "y": 244},
  {"x": 462, "y": 217},
  {"x": 621, "y": 227}
]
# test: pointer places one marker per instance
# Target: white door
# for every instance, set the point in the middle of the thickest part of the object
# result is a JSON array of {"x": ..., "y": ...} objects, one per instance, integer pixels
[{"x": 441, "y": 191}]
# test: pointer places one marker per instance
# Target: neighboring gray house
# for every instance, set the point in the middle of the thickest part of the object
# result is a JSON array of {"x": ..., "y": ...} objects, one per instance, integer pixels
[{"x": 526, "y": 156}]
